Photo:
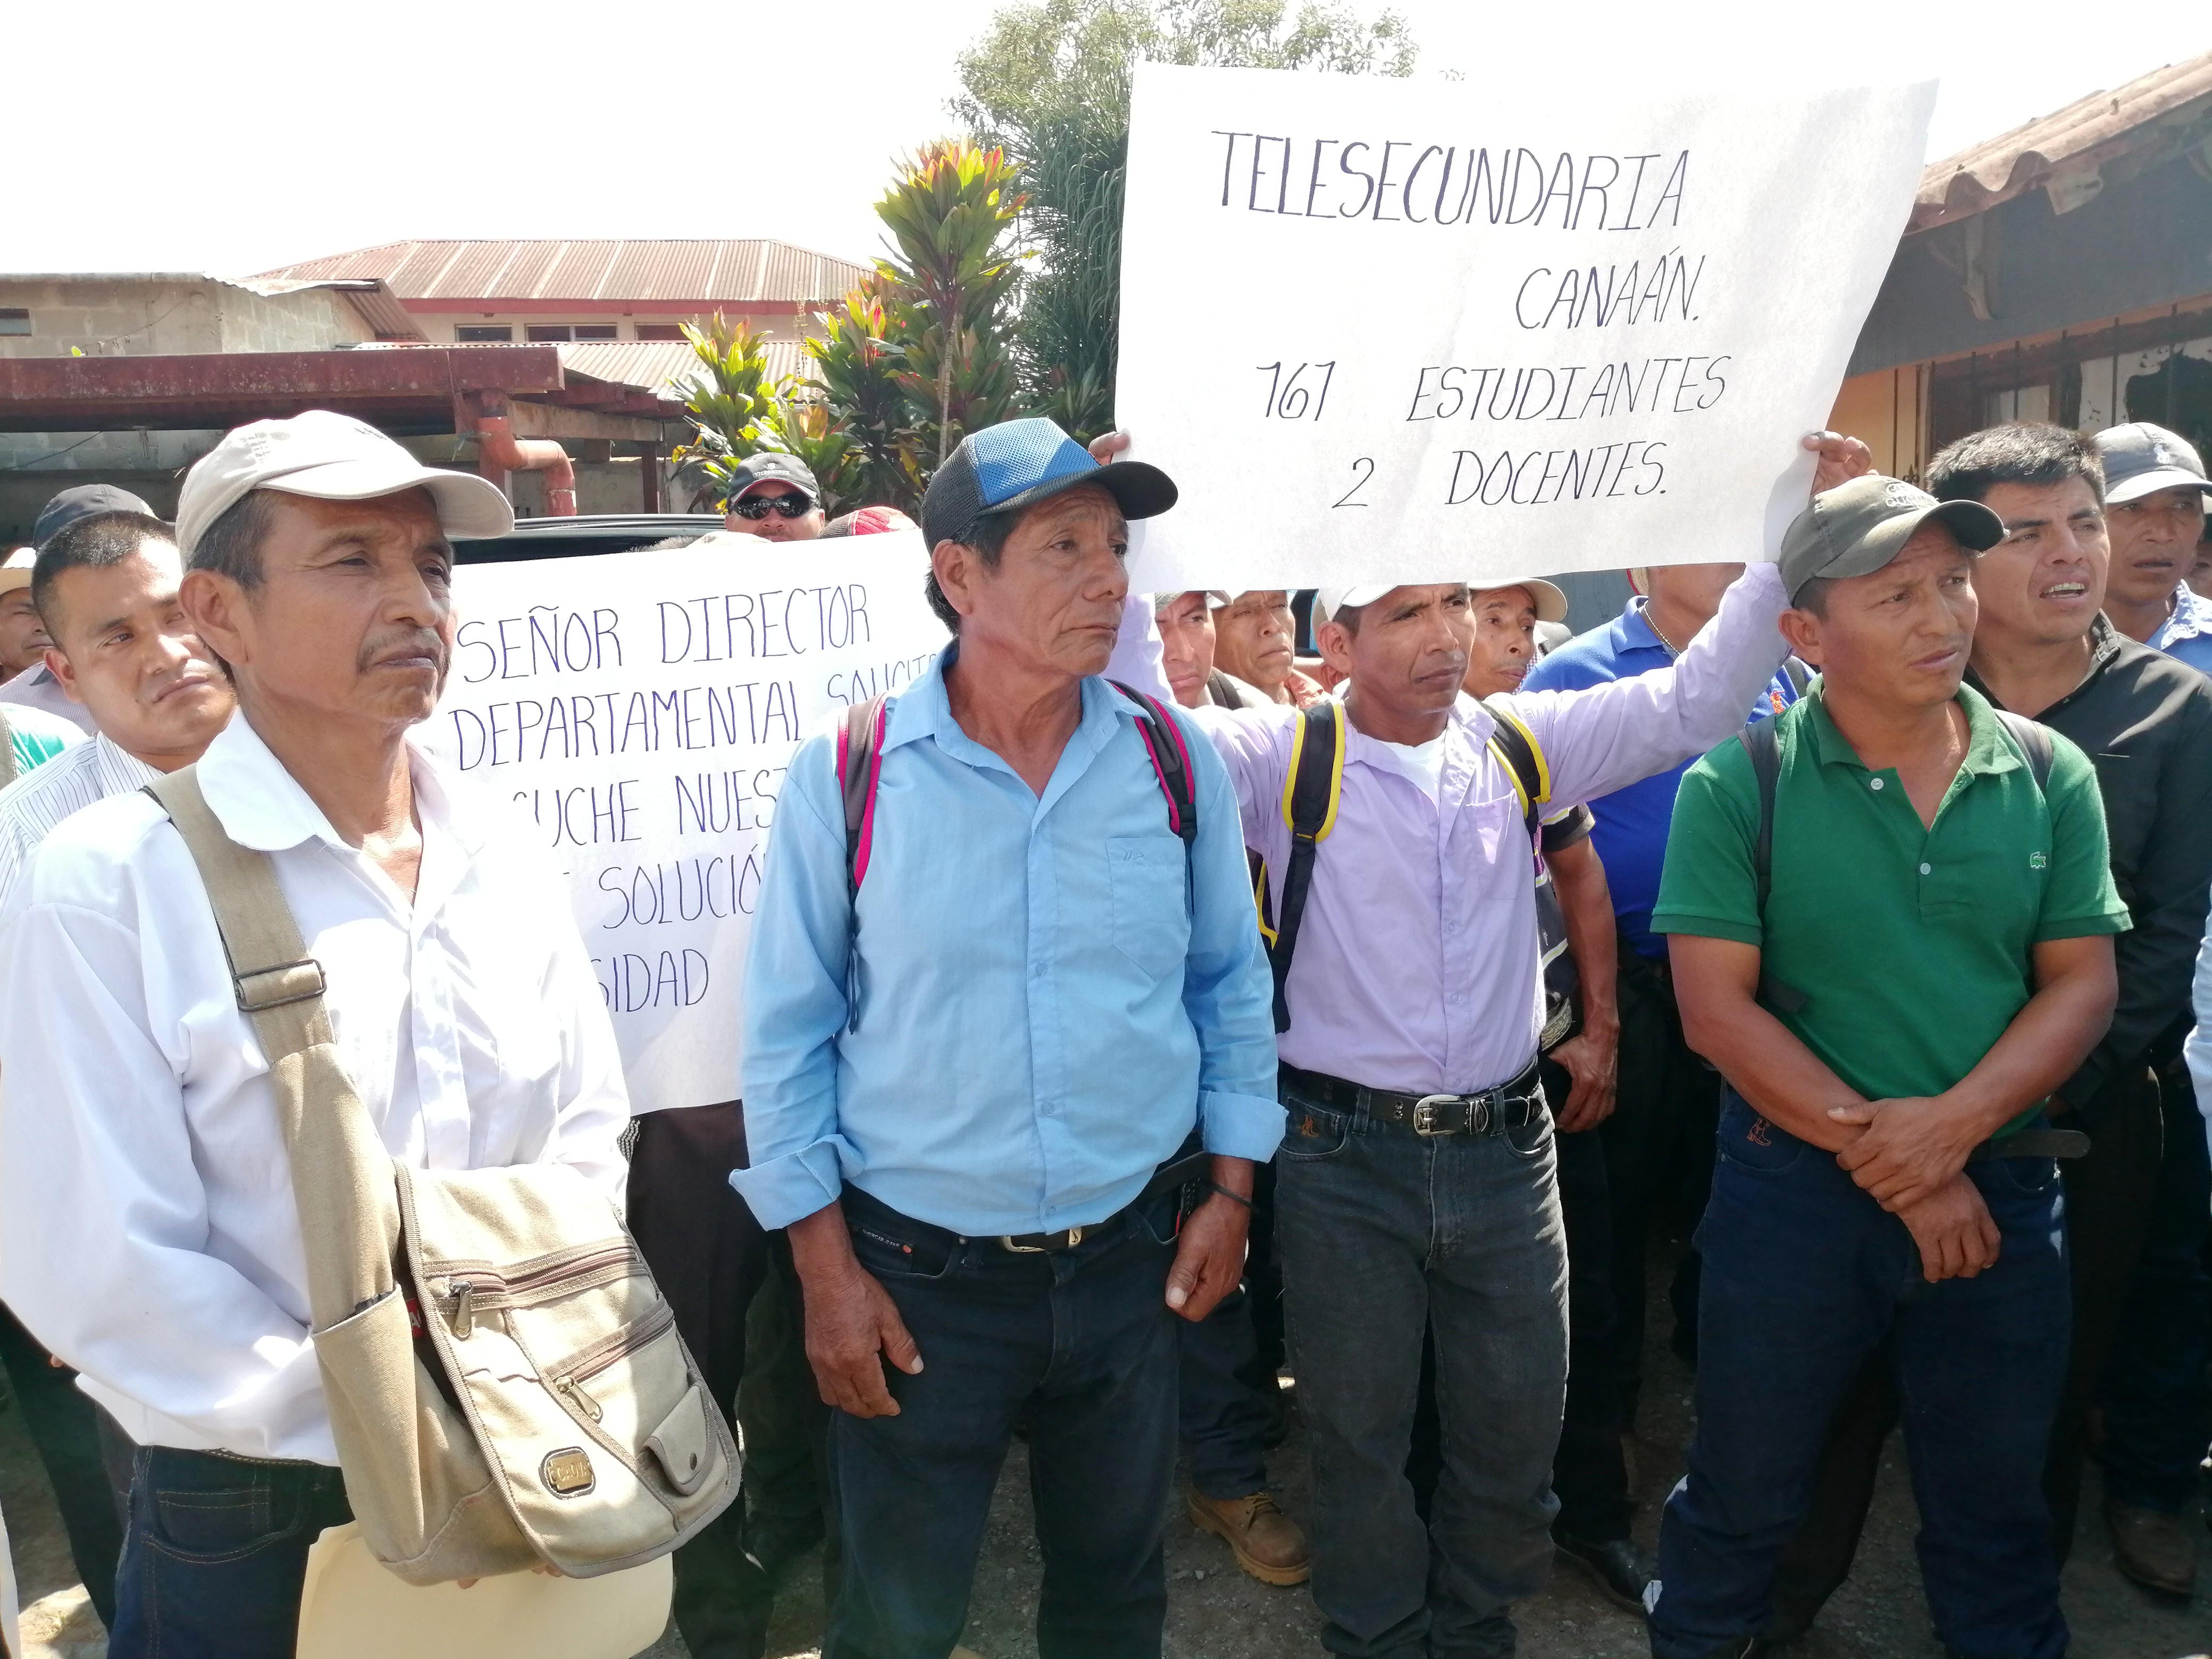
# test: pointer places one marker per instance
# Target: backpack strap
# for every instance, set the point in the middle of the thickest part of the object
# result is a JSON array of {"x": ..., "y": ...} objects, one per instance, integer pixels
[
  {"x": 862, "y": 736},
  {"x": 1761, "y": 743},
  {"x": 1312, "y": 791},
  {"x": 1170, "y": 759},
  {"x": 2034, "y": 742},
  {"x": 341, "y": 1174},
  {"x": 1516, "y": 745},
  {"x": 1797, "y": 673}
]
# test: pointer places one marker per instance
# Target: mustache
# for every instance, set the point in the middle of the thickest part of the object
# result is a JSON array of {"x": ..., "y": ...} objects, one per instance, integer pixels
[{"x": 405, "y": 642}]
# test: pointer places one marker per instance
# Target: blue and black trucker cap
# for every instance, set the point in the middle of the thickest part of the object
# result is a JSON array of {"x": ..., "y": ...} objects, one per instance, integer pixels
[{"x": 1016, "y": 464}]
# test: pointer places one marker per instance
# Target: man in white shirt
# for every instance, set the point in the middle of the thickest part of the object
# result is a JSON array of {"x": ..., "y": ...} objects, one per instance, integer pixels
[
  {"x": 149, "y": 1233},
  {"x": 107, "y": 590},
  {"x": 36, "y": 686}
]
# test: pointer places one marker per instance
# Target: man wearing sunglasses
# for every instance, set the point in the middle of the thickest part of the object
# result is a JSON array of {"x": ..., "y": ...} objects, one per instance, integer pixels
[{"x": 775, "y": 497}]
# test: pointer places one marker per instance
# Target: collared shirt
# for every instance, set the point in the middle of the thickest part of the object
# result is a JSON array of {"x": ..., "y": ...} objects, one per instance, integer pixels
[
  {"x": 1416, "y": 967},
  {"x": 37, "y": 687},
  {"x": 2186, "y": 633},
  {"x": 31, "y": 806},
  {"x": 147, "y": 1229},
  {"x": 1913, "y": 943},
  {"x": 1631, "y": 823},
  {"x": 1040, "y": 1001},
  {"x": 2145, "y": 722}
]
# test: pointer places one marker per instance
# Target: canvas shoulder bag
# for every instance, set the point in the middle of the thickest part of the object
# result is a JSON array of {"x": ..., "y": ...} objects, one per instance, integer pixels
[{"x": 505, "y": 1380}]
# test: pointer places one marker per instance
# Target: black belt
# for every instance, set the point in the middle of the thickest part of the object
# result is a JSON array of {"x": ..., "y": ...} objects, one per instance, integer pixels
[
  {"x": 1187, "y": 1166},
  {"x": 1513, "y": 1105},
  {"x": 2032, "y": 1143}
]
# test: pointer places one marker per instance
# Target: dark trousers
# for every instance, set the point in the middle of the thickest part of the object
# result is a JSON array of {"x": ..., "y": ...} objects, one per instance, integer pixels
[
  {"x": 74, "y": 1437},
  {"x": 1659, "y": 1159},
  {"x": 2157, "y": 1418},
  {"x": 1226, "y": 1385},
  {"x": 786, "y": 1423},
  {"x": 1386, "y": 1236},
  {"x": 1079, "y": 1342},
  {"x": 215, "y": 1555},
  {"x": 2108, "y": 1194},
  {"x": 708, "y": 1256},
  {"x": 1804, "y": 1277}
]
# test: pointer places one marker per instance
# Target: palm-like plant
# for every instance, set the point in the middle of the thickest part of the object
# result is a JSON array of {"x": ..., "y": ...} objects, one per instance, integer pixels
[{"x": 855, "y": 362}]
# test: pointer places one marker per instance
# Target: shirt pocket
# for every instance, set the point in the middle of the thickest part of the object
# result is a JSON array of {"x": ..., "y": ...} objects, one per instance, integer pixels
[{"x": 1151, "y": 928}]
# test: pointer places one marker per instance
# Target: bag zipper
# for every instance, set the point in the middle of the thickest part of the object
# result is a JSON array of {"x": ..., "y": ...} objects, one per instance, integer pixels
[
  {"x": 467, "y": 1283},
  {"x": 604, "y": 1354}
]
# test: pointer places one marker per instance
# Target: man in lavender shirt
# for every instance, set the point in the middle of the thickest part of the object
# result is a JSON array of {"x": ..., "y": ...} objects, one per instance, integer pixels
[{"x": 1416, "y": 1185}]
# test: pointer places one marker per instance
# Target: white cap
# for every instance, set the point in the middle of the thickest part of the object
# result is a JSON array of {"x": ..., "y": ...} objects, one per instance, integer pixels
[
  {"x": 1551, "y": 600},
  {"x": 1328, "y": 601},
  {"x": 15, "y": 569},
  {"x": 333, "y": 458}
]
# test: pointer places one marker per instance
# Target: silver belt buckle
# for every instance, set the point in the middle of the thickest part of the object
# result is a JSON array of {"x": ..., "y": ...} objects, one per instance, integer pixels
[
  {"x": 1424, "y": 1115},
  {"x": 1006, "y": 1242}
]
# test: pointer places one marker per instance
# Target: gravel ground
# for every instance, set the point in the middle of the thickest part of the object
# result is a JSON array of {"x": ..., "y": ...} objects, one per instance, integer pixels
[{"x": 1214, "y": 1611}]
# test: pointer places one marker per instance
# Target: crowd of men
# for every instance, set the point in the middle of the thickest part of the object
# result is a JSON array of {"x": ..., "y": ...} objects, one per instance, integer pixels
[{"x": 1136, "y": 1009}]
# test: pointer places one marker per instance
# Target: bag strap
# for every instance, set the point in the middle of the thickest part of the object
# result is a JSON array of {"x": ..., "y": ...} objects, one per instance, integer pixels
[
  {"x": 1312, "y": 791},
  {"x": 861, "y": 734},
  {"x": 9, "y": 765},
  {"x": 2033, "y": 741},
  {"x": 1797, "y": 673},
  {"x": 1171, "y": 766},
  {"x": 342, "y": 1180},
  {"x": 1764, "y": 745},
  {"x": 1515, "y": 745}
]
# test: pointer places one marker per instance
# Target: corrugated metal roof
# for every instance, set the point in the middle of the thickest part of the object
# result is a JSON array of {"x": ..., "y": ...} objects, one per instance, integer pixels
[
  {"x": 750, "y": 271},
  {"x": 665, "y": 367},
  {"x": 371, "y": 299},
  {"x": 2067, "y": 148}
]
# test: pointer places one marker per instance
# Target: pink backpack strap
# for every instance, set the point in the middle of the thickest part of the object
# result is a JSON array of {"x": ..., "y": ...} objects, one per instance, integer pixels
[
  {"x": 1164, "y": 746},
  {"x": 859, "y": 769}
]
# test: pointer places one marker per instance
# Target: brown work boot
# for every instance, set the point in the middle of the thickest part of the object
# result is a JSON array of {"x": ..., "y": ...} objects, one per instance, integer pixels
[
  {"x": 1267, "y": 1543},
  {"x": 2154, "y": 1549}
]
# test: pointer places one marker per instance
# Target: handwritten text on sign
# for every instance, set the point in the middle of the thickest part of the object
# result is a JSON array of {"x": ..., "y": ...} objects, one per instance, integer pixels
[
  {"x": 1404, "y": 331},
  {"x": 640, "y": 709}
]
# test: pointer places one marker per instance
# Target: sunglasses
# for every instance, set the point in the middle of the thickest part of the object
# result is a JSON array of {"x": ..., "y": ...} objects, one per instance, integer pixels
[{"x": 759, "y": 506}]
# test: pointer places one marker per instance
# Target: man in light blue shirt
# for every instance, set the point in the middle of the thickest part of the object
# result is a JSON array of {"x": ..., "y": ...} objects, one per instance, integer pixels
[
  {"x": 966, "y": 1083},
  {"x": 2155, "y": 502}
]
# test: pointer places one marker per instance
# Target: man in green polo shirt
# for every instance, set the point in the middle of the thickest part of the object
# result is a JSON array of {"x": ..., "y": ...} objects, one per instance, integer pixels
[{"x": 1932, "y": 958}]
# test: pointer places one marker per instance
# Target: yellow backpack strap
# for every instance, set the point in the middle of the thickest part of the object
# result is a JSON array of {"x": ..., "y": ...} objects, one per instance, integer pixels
[
  {"x": 1311, "y": 790},
  {"x": 1516, "y": 745}
]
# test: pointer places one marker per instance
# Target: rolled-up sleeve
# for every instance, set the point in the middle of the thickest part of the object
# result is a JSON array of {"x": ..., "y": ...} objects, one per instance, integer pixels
[
  {"x": 1228, "y": 991},
  {"x": 795, "y": 1001},
  {"x": 1609, "y": 735},
  {"x": 2199, "y": 1048}
]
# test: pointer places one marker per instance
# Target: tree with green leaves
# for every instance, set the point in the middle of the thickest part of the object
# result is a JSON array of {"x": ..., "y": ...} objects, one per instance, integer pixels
[{"x": 1048, "y": 83}]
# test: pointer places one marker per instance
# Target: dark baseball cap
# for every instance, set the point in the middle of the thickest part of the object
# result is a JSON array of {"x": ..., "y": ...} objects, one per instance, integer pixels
[
  {"x": 773, "y": 466},
  {"x": 2140, "y": 459},
  {"x": 82, "y": 503},
  {"x": 1018, "y": 464},
  {"x": 1857, "y": 528}
]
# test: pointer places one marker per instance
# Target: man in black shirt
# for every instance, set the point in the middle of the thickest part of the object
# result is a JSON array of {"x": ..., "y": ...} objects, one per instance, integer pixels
[{"x": 2042, "y": 648}]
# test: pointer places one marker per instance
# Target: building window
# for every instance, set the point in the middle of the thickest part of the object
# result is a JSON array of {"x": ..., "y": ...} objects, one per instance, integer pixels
[
  {"x": 13, "y": 321},
  {"x": 484, "y": 334},
  {"x": 660, "y": 330},
  {"x": 596, "y": 331},
  {"x": 547, "y": 333}
]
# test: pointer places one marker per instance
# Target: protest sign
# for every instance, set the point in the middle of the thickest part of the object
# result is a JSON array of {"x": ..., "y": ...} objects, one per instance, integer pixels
[
  {"x": 1419, "y": 330},
  {"x": 640, "y": 709}
]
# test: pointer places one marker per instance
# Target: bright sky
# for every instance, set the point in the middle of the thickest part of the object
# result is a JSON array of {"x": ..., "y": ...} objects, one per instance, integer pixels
[{"x": 238, "y": 135}]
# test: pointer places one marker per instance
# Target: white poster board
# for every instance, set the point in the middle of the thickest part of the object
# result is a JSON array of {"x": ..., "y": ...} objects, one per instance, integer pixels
[
  {"x": 1421, "y": 330},
  {"x": 640, "y": 709}
]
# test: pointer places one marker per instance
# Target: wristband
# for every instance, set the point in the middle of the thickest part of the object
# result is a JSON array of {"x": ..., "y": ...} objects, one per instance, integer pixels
[{"x": 1237, "y": 1198}]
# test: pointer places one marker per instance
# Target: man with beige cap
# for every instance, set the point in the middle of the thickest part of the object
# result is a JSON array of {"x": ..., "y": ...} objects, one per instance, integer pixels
[{"x": 149, "y": 1233}]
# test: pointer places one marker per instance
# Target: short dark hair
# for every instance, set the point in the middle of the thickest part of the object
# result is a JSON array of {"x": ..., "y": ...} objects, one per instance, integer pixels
[
  {"x": 91, "y": 542},
  {"x": 1813, "y": 595},
  {"x": 231, "y": 546},
  {"x": 987, "y": 536},
  {"x": 2019, "y": 453}
]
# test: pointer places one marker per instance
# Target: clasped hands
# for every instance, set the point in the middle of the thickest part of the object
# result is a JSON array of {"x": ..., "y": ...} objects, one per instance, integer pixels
[{"x": 1909, "y": 1156}]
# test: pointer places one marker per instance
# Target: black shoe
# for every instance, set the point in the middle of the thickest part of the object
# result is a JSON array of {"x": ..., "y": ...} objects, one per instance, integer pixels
[
  {"x": 1620, "y": 1568},
  {"x": 777, "y": 1541}
]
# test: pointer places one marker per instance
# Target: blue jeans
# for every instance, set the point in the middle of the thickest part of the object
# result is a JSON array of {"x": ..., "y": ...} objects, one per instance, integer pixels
[
  {"x": 1804, "y": 1275},
  {"x": 216, "y": 1553},
  {"x": 1385, "y": 1234},
  {"x": 1224, "y": 1417},
  {"x": 1083, "y": 1340}
]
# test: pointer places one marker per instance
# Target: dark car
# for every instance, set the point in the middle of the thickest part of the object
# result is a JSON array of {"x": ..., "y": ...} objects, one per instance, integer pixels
[{"x": 590, "y": 533}]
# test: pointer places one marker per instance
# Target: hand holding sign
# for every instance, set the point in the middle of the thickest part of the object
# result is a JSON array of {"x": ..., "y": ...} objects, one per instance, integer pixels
[{"x": 1563, "y": 340}]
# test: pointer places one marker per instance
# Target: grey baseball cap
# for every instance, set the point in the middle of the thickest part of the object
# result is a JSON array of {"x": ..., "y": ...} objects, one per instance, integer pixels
[
  {"x": 1857, "y": 528},
  {"x": 2141, "y": 459},
  {"x": 773, "y": 466}
]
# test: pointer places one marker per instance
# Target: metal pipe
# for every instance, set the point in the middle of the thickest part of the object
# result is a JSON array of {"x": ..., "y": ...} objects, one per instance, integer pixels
[{"x": 497, "y": 446}]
